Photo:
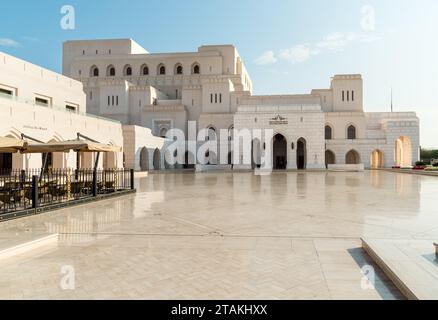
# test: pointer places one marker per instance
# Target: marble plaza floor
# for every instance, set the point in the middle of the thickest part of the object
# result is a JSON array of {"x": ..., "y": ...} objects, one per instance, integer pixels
[{"x": 223, "y": 236}]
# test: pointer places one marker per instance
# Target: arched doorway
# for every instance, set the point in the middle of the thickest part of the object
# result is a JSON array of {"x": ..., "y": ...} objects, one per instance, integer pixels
[
  {"x": 376, "y": 160},
  {"x": 189, "y": 160},
  {"x": 403, "y": 152},
  {"x": 280, "y": 152},
  {"x": 256, "y": 154},
  {"x": 5, "y": 163},
  {"x": 301, "y": 154},
  {"x": 157, "y": 159},
  {"x": 330, "y": 158},
  {"x": 352, "y": 157},
  {"x": 144, "y": 159}
]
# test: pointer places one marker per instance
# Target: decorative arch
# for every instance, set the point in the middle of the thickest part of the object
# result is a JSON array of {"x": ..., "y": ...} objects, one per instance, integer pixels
[
  {"x": 161, "y": 69},
  {"x": 211, "y": 133},
  {"x": 352, "y": 157},
  {"x": 330, "y": 158},
  {"x": 301, "y": 154},
  {"x": 196, "y": 68},
  {"x": 94, "y": 71},
  {"x": 328, "y": 131},
  {"x": 157, "y": 159},
  {"x": 144, "y": 159},
  {"x": 403, "y": 152},
  {"x": 110, "y": 71},
  {"x": 127, "y": 70},
  {"x": 279, "y": 152},
  {"x": 144, "y": 70},
  {"x": 178, "y": 69},
  {"x": 163, "y": 132},
  {"x": 351, "y": 132}
]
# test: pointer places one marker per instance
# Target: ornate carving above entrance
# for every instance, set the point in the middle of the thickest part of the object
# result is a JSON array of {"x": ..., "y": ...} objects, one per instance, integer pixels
[{"x": 278, "y": 120}]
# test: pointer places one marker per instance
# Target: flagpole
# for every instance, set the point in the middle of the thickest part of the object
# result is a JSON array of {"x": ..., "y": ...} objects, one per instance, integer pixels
[{"x": 392, "y": 104}]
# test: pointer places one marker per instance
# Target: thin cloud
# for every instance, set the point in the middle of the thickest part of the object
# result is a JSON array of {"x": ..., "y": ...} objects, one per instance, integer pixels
[
  {"x": 266, "y": 58},
  {"x": 338, "y": 41},
  {"x": 31, "y": 39},
  {"x": 298, "y": 54},
  {"x": 6, "y": 42},
  {"x": 332, "y": 42}
]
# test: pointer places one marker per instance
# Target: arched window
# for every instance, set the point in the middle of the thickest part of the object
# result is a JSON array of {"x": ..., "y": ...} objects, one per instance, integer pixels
[
  {"x": 163, "y": 132},
  {"x": 178, "y": 69},
  {"x": 211, "y": 134},
  {"x": 127, "y": 70},
  {"x": 351, "y": 133},
  {"x": 161, "y": 69},
  {"x": 328, "y": 133},
  {"x": 145, "y": 70},
  {"x": 196, "y": 69},
  {"x": 111, "y": 71},
  {"x": 94, "y": 72}
]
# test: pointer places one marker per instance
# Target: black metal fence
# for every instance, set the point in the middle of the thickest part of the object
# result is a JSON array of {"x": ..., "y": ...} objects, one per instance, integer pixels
[{"x": 29, "y": 189}]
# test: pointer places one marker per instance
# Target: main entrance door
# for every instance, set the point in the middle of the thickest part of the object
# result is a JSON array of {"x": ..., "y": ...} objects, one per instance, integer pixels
[
  {"x": 280, "y": 152},
  {"x": 301, "y": 154}
]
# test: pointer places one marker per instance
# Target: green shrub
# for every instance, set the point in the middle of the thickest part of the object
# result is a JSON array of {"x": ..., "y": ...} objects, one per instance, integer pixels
[
  {"x": 435, "y": 164},
  {"x": 420, "y": 163}
]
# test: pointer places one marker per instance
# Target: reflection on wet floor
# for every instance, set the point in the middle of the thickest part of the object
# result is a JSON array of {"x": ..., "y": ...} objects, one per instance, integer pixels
[{"x": 236, "y": 212}]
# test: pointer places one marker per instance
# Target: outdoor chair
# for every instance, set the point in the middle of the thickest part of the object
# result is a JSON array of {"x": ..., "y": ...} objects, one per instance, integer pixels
[
  {"x": 77, "y": 188},
  {"x": 10, "y": 198},
  {"x": 57, "y": 191},
  {"x": 43, "y": 192},
  {"x": 6, "y": 200},
  {"x": 109, "y": 186}
]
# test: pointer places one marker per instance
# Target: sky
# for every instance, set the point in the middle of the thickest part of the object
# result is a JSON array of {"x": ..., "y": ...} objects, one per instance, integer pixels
[{"x": 288, "y": 46}]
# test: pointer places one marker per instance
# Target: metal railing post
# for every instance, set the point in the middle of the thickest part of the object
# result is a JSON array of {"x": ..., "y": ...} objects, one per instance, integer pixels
[
  {"x": 132, "y": 179},
  {"x": 35, "y": 200},
  {"x": 94, "y": 183},
  {"x": 23, "y": 177}
]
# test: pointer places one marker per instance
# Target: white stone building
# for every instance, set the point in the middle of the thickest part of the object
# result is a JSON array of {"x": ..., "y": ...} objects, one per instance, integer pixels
[
  {"x": 48, "y": 107},
  {"x": 211, "y": 87}
]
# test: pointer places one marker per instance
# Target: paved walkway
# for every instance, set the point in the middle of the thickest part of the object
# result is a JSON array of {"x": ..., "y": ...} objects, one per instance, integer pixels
[{"x": 223, "y": 236}]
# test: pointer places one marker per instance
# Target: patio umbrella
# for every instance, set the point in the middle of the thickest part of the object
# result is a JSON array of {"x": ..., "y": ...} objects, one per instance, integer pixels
[
  {"x": 11, "y": 145},
  {"x": 66, "y": 146}
]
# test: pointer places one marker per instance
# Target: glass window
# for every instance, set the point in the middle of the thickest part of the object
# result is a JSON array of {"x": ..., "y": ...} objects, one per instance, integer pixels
[
  {"x": 328, "y": 133},
  {"x": 351, "y": 132}
]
